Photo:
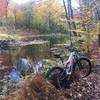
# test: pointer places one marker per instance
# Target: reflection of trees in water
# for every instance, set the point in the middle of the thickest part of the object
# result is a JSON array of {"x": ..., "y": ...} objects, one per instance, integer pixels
[
  {"x": 36, "y": 51},
  {"x": 53, "y": 40}
]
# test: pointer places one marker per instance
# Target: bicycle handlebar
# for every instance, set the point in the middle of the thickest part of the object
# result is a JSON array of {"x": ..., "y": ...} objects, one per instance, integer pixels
[{"x": 71, "y": 49}]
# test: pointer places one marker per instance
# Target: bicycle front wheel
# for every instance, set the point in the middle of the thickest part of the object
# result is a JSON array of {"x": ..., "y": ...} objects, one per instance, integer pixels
[
  {"x": 82, "y": 67},
  {"x": 53, "y": 75}
]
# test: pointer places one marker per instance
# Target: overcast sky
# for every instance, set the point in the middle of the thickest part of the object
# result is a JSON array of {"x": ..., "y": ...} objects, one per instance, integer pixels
[{"x": 74, "y": 2}]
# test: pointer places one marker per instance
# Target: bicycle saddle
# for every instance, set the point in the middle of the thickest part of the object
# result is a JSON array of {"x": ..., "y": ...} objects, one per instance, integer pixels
[{"x": 56, "y": 52}]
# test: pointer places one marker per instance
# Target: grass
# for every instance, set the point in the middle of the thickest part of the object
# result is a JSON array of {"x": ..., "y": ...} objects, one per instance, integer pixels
[{"x": 10, "y": 36}]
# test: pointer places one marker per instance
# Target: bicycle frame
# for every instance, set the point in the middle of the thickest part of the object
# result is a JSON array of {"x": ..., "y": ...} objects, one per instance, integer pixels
[
  {"x": 70, "y": 63},
  {"x": 64, "y": 75},
  {"x": 74, "y": 56}
]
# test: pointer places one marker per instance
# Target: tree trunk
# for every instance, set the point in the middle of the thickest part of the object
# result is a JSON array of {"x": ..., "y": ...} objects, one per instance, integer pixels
[
  {"x": 97, "y": 14},
  {"x": 68, "y": 21},
  {"x": 7, "y": 2},
  {"x": 70, "y": 15},
  {"x": 15, "y": 19}
]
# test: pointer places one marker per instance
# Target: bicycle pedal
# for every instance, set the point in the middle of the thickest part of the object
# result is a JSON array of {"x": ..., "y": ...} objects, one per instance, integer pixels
[{"x": 68, "y": 78}]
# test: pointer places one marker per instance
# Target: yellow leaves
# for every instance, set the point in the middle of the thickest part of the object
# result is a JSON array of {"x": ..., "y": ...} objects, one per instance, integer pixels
[
  {"x": 98, "y": 27},
  {"x": 75, "y": 20},
  {"x": 19, "y": 14},
  {"x": 41, "y": 10},
  {"x": 49, "y": 8},
  {"x": 77, "y": 30},
  {"x": 12, "y": 36},
  {"x": 62, "y": 20},
  {"x": 10, "y": 12}
]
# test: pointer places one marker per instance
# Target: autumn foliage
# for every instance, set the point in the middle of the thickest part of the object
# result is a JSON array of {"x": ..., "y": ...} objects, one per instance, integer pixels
[
  {"x": 3, "y": 7},
  {"x": 36, "y": 88}
]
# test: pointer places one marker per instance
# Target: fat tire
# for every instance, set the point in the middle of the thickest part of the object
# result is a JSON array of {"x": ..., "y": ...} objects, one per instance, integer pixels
[
  {"x": 49, "y": 72},
  {"x": 89, "y": 67}
]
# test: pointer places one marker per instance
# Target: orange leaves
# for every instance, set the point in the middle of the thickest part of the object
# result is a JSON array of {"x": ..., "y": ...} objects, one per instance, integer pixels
[
  {"x": 49, "y": 6},
  {"x": 36, "y": 88},
  {"x": 3, "y": 7}
]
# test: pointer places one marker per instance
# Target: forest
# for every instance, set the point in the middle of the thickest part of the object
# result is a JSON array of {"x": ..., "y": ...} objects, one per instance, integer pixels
[{"x": 49, "y": 49}]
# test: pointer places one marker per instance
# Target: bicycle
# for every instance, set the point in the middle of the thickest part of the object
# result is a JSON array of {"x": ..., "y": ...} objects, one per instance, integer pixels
[{"x": 62, "y": 77}]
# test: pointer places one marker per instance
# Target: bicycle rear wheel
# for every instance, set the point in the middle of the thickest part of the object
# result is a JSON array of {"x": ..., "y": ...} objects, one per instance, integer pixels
[{"x": 82, "y": 67}]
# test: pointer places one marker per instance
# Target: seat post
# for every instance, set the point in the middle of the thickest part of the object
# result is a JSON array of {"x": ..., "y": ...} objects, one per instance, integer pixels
[{"x": 61, "y": 60}]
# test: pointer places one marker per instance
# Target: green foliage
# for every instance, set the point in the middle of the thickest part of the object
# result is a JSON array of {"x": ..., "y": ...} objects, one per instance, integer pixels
[
  {"x": 88, "y": 30},
  {"x": 43, "y": 18},
  {"x": 39, "y": 24}
]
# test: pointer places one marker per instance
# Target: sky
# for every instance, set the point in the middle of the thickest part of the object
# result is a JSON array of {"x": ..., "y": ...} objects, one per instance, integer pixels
[
  {"x": 74, "y": 2},
  {"x": 20, "y": 1}
]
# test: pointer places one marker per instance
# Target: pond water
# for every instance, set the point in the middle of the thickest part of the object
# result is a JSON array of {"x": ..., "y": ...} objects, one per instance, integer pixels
[{"x": 37, "y": 50}]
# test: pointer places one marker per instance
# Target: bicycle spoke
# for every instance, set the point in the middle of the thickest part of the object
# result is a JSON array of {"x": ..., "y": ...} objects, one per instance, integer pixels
[
  {"x": 82, "y": 68},
  {"x": 58, "y": 83}
]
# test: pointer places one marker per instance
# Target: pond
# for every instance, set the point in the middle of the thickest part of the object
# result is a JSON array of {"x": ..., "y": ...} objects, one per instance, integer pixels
[{"x": 37, "y": 50}]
